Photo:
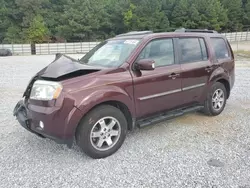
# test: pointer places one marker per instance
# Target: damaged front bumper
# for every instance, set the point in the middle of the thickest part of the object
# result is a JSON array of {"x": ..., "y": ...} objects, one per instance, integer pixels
[{"x": 22, "y": 115}]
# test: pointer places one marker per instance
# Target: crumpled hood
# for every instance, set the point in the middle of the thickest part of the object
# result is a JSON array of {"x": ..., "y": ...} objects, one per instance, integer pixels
[{"x": 64, "y": 65}]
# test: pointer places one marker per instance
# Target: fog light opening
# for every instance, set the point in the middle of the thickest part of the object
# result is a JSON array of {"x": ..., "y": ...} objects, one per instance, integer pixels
[{"x": 41, "y": 125}]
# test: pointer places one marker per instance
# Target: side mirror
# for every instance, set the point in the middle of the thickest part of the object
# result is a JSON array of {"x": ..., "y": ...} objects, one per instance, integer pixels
[{"x": 145, "y": 64}]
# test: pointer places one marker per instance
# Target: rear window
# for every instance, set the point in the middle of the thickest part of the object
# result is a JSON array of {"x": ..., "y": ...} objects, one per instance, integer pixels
[
  {"x": 220, "y": 48},
  {"x": 192, "y": 50}
]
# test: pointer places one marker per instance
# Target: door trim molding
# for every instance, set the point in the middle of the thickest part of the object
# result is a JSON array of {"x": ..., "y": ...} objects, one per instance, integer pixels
[
  {"x": 159, "y": 94},
  {"x": 171, "y": 92},
  {"x": 193, "y": 86}
]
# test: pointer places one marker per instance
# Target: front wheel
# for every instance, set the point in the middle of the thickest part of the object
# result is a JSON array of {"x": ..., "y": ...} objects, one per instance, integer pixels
[
  {"x": 102, "y": 131},
  {"x": 216, "y": 100}
]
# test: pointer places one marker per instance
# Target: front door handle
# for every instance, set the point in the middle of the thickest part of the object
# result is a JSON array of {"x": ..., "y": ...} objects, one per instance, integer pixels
[
  {"x": 209, "y": 68},
  {"x": 174, "y": 75}
]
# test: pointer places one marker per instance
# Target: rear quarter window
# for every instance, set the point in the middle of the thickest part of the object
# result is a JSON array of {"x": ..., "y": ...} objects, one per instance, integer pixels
[{"x": 220, "y": 48}]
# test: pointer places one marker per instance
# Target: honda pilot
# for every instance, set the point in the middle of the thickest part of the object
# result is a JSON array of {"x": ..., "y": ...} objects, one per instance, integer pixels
[{"x": 132, "y": 80}]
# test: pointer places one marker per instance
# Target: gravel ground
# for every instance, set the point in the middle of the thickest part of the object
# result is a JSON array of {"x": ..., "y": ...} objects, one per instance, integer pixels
[
  {"x": 241, "y": 45},
  {"x": 190, "y": 151}
]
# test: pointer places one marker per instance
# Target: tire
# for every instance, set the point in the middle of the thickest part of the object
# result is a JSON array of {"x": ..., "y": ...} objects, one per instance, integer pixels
[
  {"x": 209, "y": 105},
  {"x": 99, "y": 121}
]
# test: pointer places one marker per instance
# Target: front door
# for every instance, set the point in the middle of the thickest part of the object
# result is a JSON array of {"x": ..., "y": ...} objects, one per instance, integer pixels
[{"x": 159, "y": 89}]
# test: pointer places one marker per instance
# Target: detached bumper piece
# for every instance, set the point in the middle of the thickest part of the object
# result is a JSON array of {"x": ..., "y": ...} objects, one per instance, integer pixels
[{"x": 21, "y": 113}]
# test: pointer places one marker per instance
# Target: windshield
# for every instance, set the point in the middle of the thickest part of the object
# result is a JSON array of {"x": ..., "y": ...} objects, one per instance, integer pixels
[{"x": 110, "y": 53}]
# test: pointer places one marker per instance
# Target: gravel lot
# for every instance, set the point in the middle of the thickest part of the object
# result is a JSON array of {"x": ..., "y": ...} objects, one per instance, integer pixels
[{"x": 190, "y": 151}]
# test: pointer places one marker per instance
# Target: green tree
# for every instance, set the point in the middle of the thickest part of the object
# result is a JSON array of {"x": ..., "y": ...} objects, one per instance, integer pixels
[
  {"x": 179, "y": 14},
  {"x": 246, "y": 13},
  {"x": 116, "y": 9},
  {"x": 3, "y": 20},
  {"x": 28, "y": 9},
  {"x": 168, "y": 7},
  {"x": 21, "y": 14},
  {"x": 13, "y": 35},
  {"x": 234, "y": 14},
  {"x": 52, "y": 12},
  {"x": 146, "y": 15},
  {"x": 212, "y": 14},
  {"x": 128, "y": 16},
  {"x": 37, "y": 32},
  {"x": 198, "y": 14},
  {"x": 83, "y": 20}
]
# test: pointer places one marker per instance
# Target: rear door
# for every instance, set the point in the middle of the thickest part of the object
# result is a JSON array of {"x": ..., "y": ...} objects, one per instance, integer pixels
[
  {"x": 196, "y": 68},
  {"x": 159, "y": 89}
]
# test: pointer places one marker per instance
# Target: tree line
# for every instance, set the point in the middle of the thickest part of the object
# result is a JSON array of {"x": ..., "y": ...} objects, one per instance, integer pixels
[{"x": 37, "y": 21}]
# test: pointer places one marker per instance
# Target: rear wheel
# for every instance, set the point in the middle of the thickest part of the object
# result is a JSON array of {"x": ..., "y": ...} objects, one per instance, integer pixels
[
  {"x": 102, "y": 131},
  {"x": 216, "y": 100}
]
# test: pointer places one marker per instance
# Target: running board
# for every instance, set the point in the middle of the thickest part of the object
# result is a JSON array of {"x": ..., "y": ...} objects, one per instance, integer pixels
[{"x": 166, "y": 116}]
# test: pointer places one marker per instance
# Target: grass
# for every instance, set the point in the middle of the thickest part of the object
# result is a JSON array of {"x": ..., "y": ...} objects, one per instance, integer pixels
[{"x": 243, "y": 53}]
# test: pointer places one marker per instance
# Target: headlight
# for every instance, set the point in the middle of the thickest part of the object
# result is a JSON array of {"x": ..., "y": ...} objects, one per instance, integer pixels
[{"x": 45, "y": 90}]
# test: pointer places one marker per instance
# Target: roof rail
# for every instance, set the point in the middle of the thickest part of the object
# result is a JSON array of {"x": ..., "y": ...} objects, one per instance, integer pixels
[
  {"x": 135, "y": 33},
  {"x": 195, "y": 30}
]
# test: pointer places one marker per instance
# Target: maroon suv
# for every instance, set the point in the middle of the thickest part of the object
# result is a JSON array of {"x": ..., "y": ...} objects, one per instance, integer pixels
[{"x": 133, "y": 79}]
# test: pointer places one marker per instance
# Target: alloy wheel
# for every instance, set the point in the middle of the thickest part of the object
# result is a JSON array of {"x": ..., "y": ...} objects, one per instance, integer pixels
[
  {"x": 218, "y": 99},
  {"x": 105, "y": 133}
]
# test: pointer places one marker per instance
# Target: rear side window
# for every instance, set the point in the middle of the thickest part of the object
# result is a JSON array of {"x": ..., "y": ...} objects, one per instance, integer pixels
[
  {"x": 192, "y": 50},
  {"x": 220, "y": 48}
]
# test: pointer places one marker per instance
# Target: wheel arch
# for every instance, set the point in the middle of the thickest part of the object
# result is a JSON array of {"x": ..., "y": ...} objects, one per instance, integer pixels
[
  {"x": 121, "y": 106},
  {"x": 118, "y": 104},
  {"x": 219, "y": 75},
  {"x": 226, "y": 84}
]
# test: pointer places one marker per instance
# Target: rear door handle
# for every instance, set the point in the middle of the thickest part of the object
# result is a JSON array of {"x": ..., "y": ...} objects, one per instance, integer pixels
[
  {"x": 174, "y": 75},
  {"x": 208, "y": 69}
]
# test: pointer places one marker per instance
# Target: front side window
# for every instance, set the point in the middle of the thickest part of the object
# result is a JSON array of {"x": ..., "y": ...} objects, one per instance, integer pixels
[
  {"x": 110, "y": 53},
  {"x": 220, "y": 48},
  {"x": 192, "y": 50},
  {"x": 160, "y": 50}
]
